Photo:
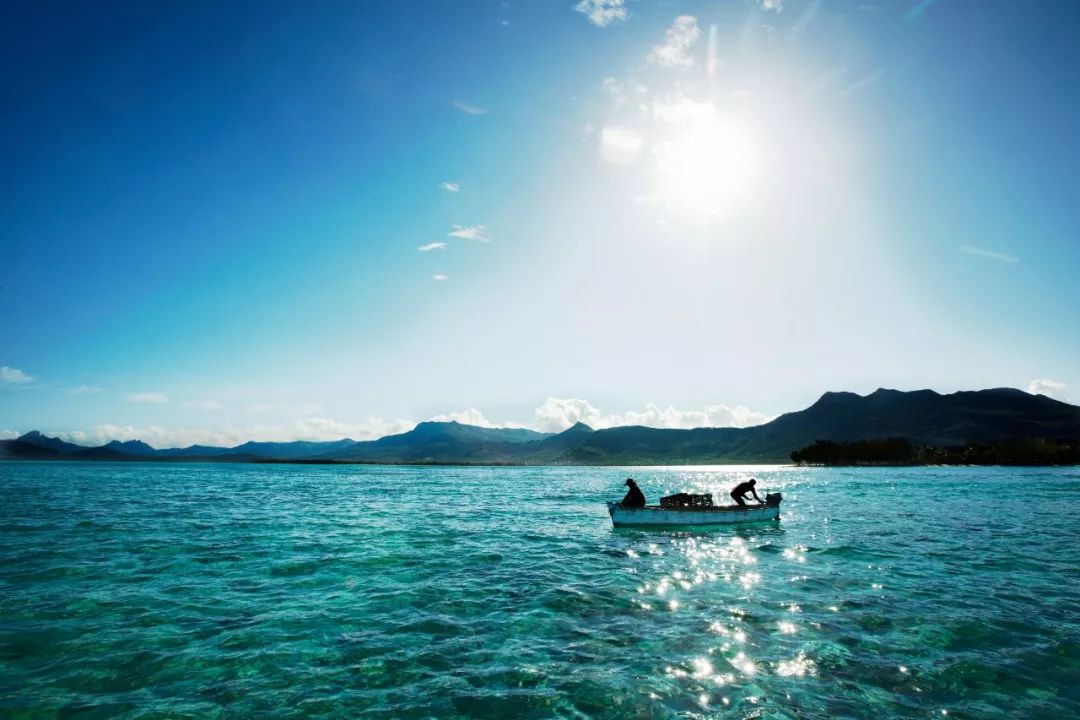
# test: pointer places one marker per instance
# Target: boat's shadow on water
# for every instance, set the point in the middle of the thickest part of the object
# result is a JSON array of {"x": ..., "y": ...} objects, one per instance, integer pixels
[{"x": 745, "y": 531}]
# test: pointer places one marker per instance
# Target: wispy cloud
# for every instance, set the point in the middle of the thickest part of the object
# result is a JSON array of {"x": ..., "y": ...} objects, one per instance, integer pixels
[
  {"x": 775, "y": 5},
  {"x": 309, "y": 428},
  {"x": 989, "y": 254},
  {"x": 860, "y": 84},
  {"x": 828, "y": 79},
  {"x": 602, "y": 12},
  {"x": 808, "y": 14},
  {"x": 450, "y": 186},
  {"x": 470, "y": 232},
  {"x": 469, "y": 108},
  {"x": 86, "y": 390},
  {"x": 1049, "y": 388},
  {"x": 210, "y": 405},
  {"x": 440, "y": 277},
  {"x": 432, "y": 246},
  {"x": 919, "y": 9},
  {"x": 674, "y": 52},
  {"x": 621, "y": 92},
  {"x": 15, "y": 376},
  {"x": 147, "y": 397}
]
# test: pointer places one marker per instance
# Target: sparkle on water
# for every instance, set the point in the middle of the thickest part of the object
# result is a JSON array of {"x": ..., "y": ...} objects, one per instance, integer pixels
[{"x": 143, "y": 590}]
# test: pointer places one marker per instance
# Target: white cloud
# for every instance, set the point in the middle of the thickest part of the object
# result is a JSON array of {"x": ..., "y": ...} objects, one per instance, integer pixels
[
  {"x": 14, "y": 376},
  {"x": 557, "y": 414},
  {"x": 450, "y": 186},
  {"x": 147, "y": 397},
  {"x": 469, "y": 108},
  {"x": 711, "y": 416},
  {"x": 470, "y": 232},
  {"x": 1049, "y": 388},
  {"x": 602, "y": 12},
  {"x": 204, "y": 405},
  {"x": 440, "y": 277},
  {"x": 469, "y": 416},
  {"x": 152, "y": 435},
  {"x": 989, "y": 254},
  {"x": 620, "y": 145},
  {"x": 432, "y": 246},
  {"x": 679, "y": 38},
  {"x": 86, "y": 390},
  {"x": 612, "y": 87},
  {"x": 681, "y": 110},
  {"x": 776, "y": 5},
  {"x": 8, "y": 434},
  {"x": 315, "y": 428}
]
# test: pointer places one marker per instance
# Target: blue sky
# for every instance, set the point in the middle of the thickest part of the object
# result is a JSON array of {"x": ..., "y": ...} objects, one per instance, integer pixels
[{"x": 277, "y": 220}]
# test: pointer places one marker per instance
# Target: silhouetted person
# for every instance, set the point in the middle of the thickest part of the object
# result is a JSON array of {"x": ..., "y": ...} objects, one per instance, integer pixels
[
  {"x": 634, "y": 497},
  {"x": 742, "y": 489}
]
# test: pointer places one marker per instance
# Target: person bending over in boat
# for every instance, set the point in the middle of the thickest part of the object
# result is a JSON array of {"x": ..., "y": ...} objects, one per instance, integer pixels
[
  {"x": 740, "y": 491},
  {"x": 634, "y": 497}
]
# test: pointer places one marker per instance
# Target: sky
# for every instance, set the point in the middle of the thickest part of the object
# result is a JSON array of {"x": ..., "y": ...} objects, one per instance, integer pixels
[{"x": 277, "y": 220}]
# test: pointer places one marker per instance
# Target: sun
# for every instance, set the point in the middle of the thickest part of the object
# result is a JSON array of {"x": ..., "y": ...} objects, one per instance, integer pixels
[{"x": 706, "y": 165}]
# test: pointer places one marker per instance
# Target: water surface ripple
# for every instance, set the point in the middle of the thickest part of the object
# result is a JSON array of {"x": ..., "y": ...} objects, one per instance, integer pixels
[{"x": 234, "y": 591}]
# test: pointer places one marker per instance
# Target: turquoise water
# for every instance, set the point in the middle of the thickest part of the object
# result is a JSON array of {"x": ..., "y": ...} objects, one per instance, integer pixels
[{"x": 145, "y": 591}]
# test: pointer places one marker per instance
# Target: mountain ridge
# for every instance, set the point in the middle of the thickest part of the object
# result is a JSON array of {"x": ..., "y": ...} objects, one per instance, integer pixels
[{"x": 924, "y": 417}]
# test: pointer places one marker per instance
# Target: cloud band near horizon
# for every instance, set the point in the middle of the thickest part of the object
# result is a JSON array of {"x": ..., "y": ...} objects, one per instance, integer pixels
[{"x": 553, "y": 416}]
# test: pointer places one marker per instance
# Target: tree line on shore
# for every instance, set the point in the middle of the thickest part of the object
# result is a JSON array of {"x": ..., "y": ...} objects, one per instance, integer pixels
[{"x": 900, "y": 451}]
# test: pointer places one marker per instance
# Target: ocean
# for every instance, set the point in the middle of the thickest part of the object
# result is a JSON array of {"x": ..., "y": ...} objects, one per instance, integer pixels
[{"x": 291, "y": 591}]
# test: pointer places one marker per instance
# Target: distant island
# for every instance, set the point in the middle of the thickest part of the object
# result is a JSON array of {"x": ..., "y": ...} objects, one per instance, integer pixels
[
  {"x": 899, "y": 451},
  {"x": 998, "y": 426}
]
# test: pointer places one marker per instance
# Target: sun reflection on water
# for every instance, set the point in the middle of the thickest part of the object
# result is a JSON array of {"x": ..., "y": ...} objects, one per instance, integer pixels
[
  {"x": 797, "y": 666},
  {"x": 743, "y": 664},
  {"x": 693, "y": 577}
]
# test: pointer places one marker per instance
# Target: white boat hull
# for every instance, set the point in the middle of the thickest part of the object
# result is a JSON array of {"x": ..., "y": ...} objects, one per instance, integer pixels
[{"x": 654, "y": 516}]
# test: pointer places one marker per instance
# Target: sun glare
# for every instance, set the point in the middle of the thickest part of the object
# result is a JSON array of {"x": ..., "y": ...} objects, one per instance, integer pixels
[{"x": 708, "y": 166}]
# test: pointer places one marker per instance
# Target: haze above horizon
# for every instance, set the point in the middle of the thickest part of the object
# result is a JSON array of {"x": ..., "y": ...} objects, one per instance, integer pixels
[{"x": 262, "y": 221}]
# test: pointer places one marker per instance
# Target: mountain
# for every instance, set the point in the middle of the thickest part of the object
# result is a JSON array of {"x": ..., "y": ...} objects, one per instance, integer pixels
[
  {"x": 130, "y": 447},
  {"x": 573, "y": 436},
  {"x": 43, "y": 441},
  {"x": 36, "y": 446},
  {"x": 923, "y": 417},
  {"x": 292, "y": 450},
  {"x": 450, "y": 442},
  {"x": 19, "y": 450}
]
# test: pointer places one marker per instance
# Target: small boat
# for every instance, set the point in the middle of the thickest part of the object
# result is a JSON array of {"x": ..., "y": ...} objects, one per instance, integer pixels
[{"x": 693, "y": 516}]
